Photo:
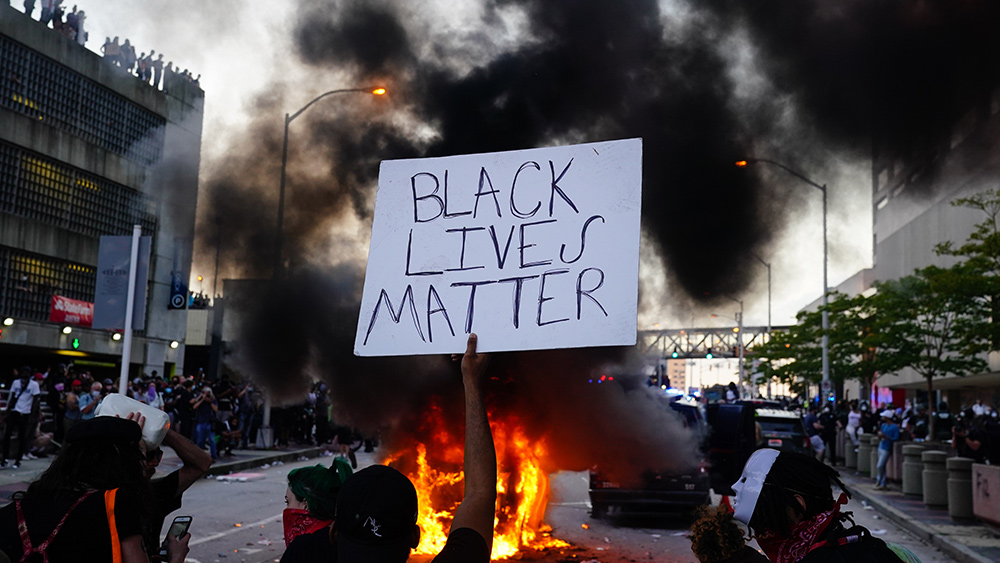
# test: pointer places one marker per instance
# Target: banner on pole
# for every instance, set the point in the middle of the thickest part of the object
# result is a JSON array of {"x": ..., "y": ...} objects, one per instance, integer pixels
[
  {"x": 530, "y": 249},
  {"x": 110, "y": 297}
]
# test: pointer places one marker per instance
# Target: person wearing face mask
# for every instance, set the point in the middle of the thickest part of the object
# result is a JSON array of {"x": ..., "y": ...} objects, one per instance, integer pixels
[
  {"x": 311, "y": 499},
  {"x": 89, "y": 401},
  {"x": 786, "y": 500}
]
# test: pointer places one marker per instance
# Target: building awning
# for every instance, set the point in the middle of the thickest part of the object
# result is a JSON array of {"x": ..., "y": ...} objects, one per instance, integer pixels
[{"x": 977, "y": 381}]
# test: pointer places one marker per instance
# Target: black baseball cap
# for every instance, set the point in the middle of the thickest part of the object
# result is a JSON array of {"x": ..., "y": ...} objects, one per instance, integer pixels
[{"x": 376, "y": 513}]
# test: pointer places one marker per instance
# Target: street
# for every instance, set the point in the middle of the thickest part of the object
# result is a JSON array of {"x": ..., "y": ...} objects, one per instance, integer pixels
[{"x": 240, "y": 521}]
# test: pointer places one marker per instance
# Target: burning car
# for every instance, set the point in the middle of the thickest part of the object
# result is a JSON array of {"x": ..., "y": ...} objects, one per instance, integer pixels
[{"x": 657, "y": 493}]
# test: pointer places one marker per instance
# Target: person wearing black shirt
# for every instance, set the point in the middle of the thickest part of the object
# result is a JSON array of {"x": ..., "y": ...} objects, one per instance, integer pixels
[
  {"x": 166, "y": 492},
  {"x": 377, "y": 506},
  {"x": 95, "y": 488}
]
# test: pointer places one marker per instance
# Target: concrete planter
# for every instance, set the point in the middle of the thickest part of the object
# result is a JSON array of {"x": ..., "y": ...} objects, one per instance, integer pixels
[
  {"x": 960, "y": 488},
  {"x": 935, "y": 479},
  {"x": 913, "y": 468},
  {"x": 865, "y": 456}
]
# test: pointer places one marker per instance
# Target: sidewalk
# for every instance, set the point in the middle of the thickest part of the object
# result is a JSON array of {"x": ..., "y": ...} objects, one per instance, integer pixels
[
  {"x": 13, "y": 480},
  {"x": 965, "y": 541}
]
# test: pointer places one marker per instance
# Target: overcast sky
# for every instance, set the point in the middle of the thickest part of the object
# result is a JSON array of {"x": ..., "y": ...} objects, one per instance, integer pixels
[{"x": 243, "y": 52}]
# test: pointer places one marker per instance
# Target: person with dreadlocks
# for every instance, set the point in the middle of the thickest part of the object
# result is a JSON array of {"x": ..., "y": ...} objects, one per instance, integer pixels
[
  {"x": 312, "y": 506},
  {"x": 715, "y": 538},
  {"x": 786, "y": 500}
]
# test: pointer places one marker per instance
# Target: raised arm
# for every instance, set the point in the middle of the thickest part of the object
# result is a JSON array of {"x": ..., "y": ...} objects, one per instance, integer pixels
[
  {"x": 480, "y": 463},
  {"x": 196, "y": 460}
]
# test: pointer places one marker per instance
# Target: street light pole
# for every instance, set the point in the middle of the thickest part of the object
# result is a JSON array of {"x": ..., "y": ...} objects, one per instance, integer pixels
[
  {"x": 278, "y": 271},
  {"x": 826, "y": 286}
]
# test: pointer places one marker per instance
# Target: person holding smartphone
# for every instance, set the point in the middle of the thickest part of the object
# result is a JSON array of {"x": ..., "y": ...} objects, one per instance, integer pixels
[{"x": 89, "y": 503}]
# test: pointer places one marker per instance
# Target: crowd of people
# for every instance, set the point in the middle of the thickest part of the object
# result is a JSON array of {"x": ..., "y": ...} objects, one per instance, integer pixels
[
  {"x": 70, "y": 24},
  {"x": 219, "y": 416},
  {"x": 97, "y": 500},
  {"x": 150, "y": 67}
]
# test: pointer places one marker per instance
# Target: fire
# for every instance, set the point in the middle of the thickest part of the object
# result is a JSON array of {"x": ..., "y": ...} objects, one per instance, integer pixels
[{"x": 522, "y": 486}]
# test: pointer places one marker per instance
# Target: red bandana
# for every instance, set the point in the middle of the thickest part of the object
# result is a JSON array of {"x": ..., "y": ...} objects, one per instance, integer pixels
[
  {"x": 298, "y": 521},
  {"x": 801, "y": 538}
]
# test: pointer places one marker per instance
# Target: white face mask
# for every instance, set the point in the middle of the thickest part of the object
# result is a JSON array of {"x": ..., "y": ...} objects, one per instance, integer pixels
[
  {"x": 751, "y": 482},
  {"x": 95, "y": 393}
]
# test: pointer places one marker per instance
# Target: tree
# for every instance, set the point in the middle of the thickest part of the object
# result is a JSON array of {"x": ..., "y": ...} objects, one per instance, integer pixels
[
  {"x": 982, "y": 255},
  {"x": 792, "y": 356},
  {"x": 934, "y": 322}
]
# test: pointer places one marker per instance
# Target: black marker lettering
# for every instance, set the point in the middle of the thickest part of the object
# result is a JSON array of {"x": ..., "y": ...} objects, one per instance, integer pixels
[
  {"x": 518, "y": 283},
  {"x": 484, "y": 178},
  {"x": 446, "y": 214},
  {"x": 407, "y": 295},
  {"x": 440, "y": 309},
  {"x": 461, "y": 259},
  {"x": 556, "y": 188},
  {"x": 433, "y": 195},
  {"x": 523, "y": 246},
  {"x": 581, "y": 292},
  {"x": 583, "y": 241},
  {"x": 513, "y": 206},
  {"x": 471, "y": 311},
  {"x": 409, "y": 246},
  {"x": 542, "y": 299},
  {"x": 501, "y": 260}
]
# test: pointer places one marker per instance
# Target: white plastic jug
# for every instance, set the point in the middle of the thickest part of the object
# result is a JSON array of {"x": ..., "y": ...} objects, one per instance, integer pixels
[{"x": 157, "y": 421}]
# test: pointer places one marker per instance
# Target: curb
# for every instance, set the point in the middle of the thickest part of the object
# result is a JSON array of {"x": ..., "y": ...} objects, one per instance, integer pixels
[
  {"x": 955, "y": 550},
  {"x": 234, "y": 466}
]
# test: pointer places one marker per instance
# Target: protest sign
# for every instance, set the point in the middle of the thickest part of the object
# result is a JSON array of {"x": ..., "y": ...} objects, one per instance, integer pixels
[{"x": 530, "y": 249}]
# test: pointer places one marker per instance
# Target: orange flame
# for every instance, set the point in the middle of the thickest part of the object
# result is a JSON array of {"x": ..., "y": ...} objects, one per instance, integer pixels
[{"x": 522, "y": 488}]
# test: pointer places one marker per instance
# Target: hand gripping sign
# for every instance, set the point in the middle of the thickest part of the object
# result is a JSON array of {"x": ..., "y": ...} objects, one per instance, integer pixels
[{"x": 530, "y": 249}]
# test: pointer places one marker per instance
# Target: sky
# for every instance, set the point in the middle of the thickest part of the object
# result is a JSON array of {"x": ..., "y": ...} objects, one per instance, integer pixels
[{"x": 252, "y": 72}]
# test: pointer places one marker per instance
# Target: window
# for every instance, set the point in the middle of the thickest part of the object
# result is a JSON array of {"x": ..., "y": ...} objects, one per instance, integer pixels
[
  {"x": 40, "y": 88},
  {"x": 37, "y": 188}
]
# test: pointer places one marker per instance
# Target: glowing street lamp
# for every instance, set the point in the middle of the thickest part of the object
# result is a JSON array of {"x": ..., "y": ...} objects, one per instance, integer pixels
[{"x": 279, "y": 238}]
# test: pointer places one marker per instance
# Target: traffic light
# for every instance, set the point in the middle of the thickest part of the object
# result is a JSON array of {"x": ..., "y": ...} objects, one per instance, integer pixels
[
  {"x": 675, "y": 354},
  {"x": 709, "y": 354},
  {"x": 76, "y": 343}
]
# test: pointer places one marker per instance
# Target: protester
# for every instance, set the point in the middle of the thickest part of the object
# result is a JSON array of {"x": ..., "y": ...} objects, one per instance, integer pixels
[
  {"x": 89, "y": 503},
  {"x": 889, "y": 434},
  {"x": 166, "y": 493},
  {"x": 311, "y": 500},
  {"x": 715, "y": 538},
  {"x": 786, "y": 499},
  {"x": 813, "y": 429},
  {"x": 73, "y": 404},
  {"x": 377, "y": 507},
  {"x": 854, "y": 424},
  {"x": 90, "y": 401},
  {"x": 205, "y": 407},
  {"x": 829, "y": 433},
  {"x": 23, "y": 399}
]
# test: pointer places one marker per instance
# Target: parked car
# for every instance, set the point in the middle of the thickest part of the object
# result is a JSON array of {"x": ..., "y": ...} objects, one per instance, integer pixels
[{"x": 658, "y": 492}]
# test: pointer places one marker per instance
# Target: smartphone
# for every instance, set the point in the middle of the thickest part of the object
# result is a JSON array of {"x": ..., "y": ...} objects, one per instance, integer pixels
[{"x": 178, "y": 528}]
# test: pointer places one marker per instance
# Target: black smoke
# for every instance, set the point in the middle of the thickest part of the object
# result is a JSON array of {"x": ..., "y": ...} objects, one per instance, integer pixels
[{"x": 857, "y": 78}]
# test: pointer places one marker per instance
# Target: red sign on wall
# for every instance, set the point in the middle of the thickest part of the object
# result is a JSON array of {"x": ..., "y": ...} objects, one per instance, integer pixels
[{"x": 71, "y": 311}]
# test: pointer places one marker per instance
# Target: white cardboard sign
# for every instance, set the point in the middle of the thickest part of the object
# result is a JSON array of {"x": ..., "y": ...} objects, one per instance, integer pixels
[{"x": 529, "y": 249}]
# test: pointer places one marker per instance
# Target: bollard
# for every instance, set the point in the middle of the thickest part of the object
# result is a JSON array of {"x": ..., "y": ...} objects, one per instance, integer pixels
[
  {"x": 935, "y": 479},
  {"x": 873, "y": 456},
  {"x": 960, "y": 488},
  {"x": 850, "y": 454},
  {"x": 864, "y": 456},
  {"x": 913, "y": 467}
]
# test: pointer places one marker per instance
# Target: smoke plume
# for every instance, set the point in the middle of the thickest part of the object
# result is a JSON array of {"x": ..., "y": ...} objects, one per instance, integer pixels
[{"x": 704, "y": 85}]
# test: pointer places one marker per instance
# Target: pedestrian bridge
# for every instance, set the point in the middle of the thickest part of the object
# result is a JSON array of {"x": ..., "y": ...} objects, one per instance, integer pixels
[{"x": 720, "y": 342}]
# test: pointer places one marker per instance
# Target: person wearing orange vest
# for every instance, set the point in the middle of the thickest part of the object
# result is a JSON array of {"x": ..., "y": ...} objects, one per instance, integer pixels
[{"x": 88, "y": 504}]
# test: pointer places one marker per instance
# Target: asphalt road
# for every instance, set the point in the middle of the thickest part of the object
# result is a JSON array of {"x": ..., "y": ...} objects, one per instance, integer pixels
[{"x": 241, "y": 522}]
